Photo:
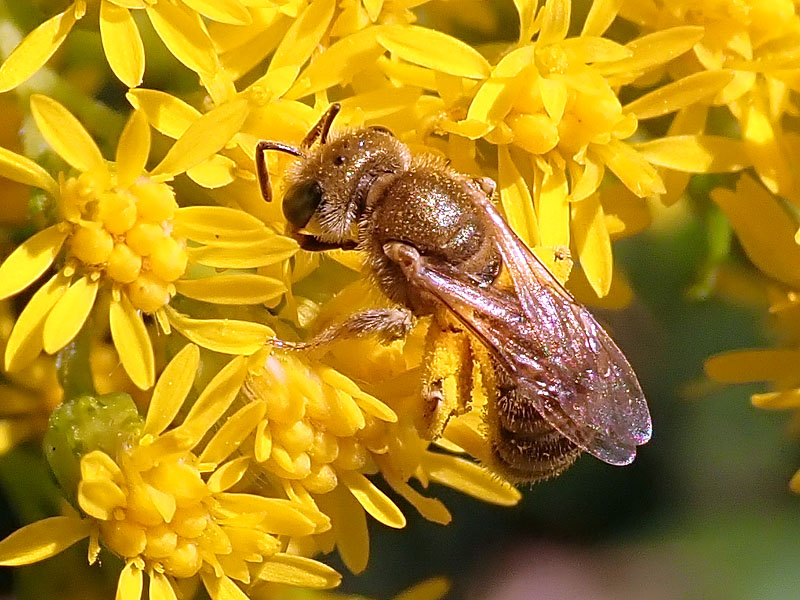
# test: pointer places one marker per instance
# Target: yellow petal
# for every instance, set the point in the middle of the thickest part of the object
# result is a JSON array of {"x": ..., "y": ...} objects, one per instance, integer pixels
[
  {"x": 211, "y": 224},
  {"x": 789, "y": 399},
  {"x": 215, "y": 399},
  {"x": 553, "y": 210},
  {"x": 222, "y": 11},
  {"x": 679, "y": 94},
  {"x": 65, "y": 134},
  {"x": 516, "y": 199},
  {"x": 298, "y": 571},
  {"x": 206, "y": 136},
  {"x": 41, "y": 540},
  {"x": 555, "y": 17},
  {"x": 764, "y": 228},
  {"x": 590, "y": 49},
  {"x": 625, "y": 213},
  {"x": 132, "y": 342},
  {"x": 769, "y": 160},
  {"x": 339, "y": 63},
  {"x": 214, "y": 172},
  {"x": 221, "y": 588},
  {"x": 435, "y": 588},
  {"x": 526, "y": 10},
  {"x": 232, "y": 433},
  {"x": 168, "y": 114},
  {"x": 601, "y": 14},
  {"x": 183, "y": 32},
  {"x": 374, "y": 501},
  {"x": 229, "y": 474},
  {"x": 171, "y": 389},
  {"x": 619, "y": 296},
  {"x": 122, "y": 44},
  {"x": 349, "y": 527},
  {"x": 133, "y": 149},
  {"x": 69, "y": 314},
  {"x": 746, "y": 366},
  {"x": 430, "y": 508},
  {"x": 160, "y": 588},
  {"x": 589, "y": 179},
  {"x": 32, "y": 258},
  {"x": 242, "y": 256},
  {"x": 130, "y": 583},
  {"x": 593, "y": 243},
  {"x": 280, "y": 517},
  {"x": 222, "y": 335},
  {"x": 631, "y": 168},
  {"x": 297, "y": 46},
  {"x": 100, "y": 498},
  {"x": 25, "y": 342},
  {"x": 435, "y": 50},
  {"x": 37, "y": 47},
  {"x": 696, "y": 153},
  {"x": 654, "y": 49},
  {"x": 471, "y": 479},
  {"x": 497, "y": 95},
  {"x": 554, "y": 97},
  {"x": 236, "y": 289},
  {"x": 19, "y": 168}
]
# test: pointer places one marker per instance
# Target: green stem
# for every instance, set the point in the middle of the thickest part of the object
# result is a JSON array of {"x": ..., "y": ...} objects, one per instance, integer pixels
[{"x": 72, "y": 364}]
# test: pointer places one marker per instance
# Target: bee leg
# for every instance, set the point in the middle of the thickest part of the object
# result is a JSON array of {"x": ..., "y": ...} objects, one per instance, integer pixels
[
  {"x": 486, "y": 185},
  {"x": 388, "y": 324},
  {"x": 447, "y": 378}
]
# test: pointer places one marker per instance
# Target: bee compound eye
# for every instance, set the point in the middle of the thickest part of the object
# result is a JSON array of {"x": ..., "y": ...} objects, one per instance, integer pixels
[{"x": 301, "y": 201}]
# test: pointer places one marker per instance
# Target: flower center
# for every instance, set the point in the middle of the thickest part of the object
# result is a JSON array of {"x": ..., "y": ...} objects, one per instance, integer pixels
[
  {"x": 160, "y": 514},
  {"x": 126, "y": 233}
]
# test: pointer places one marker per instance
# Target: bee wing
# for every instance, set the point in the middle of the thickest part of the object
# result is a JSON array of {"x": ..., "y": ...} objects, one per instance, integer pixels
[{"x": 555, "y": 350}]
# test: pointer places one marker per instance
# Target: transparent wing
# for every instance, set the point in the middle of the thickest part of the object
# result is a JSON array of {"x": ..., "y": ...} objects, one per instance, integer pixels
[{"x": 554, "y": 349}]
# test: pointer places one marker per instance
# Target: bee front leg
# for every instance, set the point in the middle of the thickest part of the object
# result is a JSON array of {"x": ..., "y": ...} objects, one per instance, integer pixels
[{"x": 387, "y": 324}]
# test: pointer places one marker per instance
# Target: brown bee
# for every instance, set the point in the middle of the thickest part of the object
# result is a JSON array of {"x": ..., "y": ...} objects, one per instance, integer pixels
[{"x": 556, "y": 382}]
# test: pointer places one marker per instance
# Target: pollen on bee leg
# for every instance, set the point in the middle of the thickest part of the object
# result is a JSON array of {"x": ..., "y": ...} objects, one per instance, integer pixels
[{"x": 447, "y": 379}]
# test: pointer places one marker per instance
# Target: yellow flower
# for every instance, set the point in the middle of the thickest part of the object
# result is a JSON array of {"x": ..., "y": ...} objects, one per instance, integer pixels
[
  {"x": 180, "y": 25},
  {"x": 549, "y": 105},
  {"x": 768, "y": 234},
  {"x": 321, "y": 435},
  {"x": 754, "y": 42},
  {"x": 160, "y": 500},
  {"x": 123, "y": 232},
  {"x": 294, "y": 30}
]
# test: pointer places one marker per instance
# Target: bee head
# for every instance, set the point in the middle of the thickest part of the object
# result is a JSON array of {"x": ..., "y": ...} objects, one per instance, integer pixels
[{"x": 328, "y": 187}]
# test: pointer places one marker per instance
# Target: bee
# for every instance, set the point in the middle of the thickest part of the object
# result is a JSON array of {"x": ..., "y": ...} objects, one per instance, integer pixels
[{"x": 435, "y": 244}]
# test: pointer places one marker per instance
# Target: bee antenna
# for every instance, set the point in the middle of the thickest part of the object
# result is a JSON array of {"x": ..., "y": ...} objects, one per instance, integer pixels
[
  {"x": 261, "y": 163},
  {"x": 323, "y": 126}
]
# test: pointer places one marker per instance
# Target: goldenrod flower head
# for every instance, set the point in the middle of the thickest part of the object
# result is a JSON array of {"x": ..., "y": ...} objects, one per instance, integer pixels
[
  {"x": 768, "y": 234},
  {"x": 180, "y": 25},
  {"x": 321, "y": 435},
  {"x": 752, "y": 43},
  {"x": 123, "y": 232},
  {"x": 154, "y": 496}
]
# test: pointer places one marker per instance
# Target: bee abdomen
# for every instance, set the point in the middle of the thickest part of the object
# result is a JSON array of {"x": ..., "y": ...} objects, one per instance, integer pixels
[{"x": 524, "y": 445}]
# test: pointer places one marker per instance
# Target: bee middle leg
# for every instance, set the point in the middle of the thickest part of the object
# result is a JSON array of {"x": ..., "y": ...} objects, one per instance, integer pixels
[{"x": 388, "y": 324}]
